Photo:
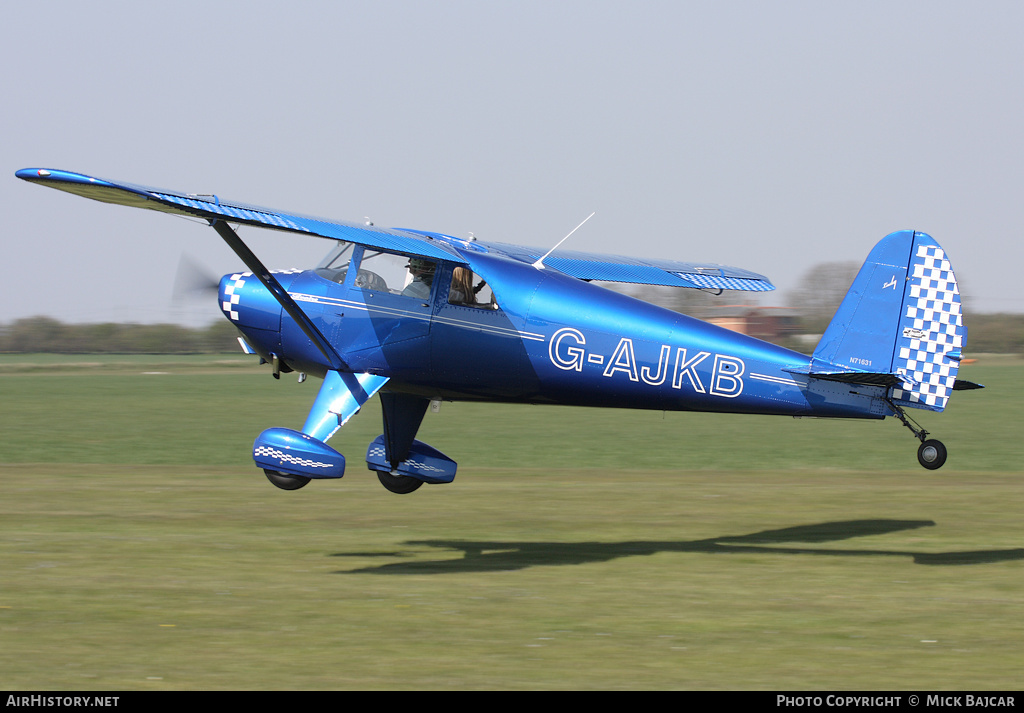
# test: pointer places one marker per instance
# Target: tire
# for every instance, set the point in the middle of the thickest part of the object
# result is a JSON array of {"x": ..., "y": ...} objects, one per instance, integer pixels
[
  {"x": 401, "y": 484},
  {"x": 931, "y": 454},
  {"x": 286, "y": 481}
]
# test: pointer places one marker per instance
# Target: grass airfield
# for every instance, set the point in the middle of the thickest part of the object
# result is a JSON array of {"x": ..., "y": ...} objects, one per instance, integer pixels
[{"x": 576, "y": 549}]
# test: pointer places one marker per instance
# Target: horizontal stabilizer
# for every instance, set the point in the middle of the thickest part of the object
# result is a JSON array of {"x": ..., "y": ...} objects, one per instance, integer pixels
[
  {"x": 853, "y": 377},
  {"x": 876, "y": 379}
]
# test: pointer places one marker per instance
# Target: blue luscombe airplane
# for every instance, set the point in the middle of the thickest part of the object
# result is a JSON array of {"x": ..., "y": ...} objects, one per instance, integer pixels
[{"x": 421, "y": 317}]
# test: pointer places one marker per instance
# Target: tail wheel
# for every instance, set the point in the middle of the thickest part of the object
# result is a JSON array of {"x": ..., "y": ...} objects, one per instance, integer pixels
[
  {"x": 285, "y": 481},
  {"x": 400, "y": 484},
  {"x": 931, "y": 454}
]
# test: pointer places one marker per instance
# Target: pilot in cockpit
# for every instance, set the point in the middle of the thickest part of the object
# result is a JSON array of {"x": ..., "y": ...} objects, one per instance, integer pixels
[{"x": 422, "y": 278}]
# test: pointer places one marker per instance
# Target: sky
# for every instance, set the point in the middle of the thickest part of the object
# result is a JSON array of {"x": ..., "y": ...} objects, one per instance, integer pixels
[{"x": 772, "y": 136}]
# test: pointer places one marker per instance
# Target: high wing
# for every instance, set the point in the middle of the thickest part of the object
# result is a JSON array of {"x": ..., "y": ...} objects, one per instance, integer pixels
[
  {"x": 438, "y": 246},
  {"x": 618, "y": 268}
]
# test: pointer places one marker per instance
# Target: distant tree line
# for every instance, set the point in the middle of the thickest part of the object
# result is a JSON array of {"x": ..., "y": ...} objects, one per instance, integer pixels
[
  {"x": 987, "y": 333},
  {"x": 824, "y": 287},
  {"x": 995, "y": 333},
  {"x": 48, "y": 335}
]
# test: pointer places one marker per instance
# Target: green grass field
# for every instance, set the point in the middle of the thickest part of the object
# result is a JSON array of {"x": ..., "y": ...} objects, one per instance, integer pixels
[{"x": 576, "y": 549}]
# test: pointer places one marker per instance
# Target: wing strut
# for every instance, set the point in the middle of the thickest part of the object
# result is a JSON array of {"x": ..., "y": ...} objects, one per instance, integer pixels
[{"x": 280, "y": 294}]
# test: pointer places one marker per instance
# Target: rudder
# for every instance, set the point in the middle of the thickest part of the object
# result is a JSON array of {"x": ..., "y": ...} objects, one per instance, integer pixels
[{"x": 932, "y": 335}]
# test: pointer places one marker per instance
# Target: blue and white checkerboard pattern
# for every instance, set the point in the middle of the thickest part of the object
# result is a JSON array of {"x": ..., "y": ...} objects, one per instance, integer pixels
[
  {"x": 250, "y": 214},
  {"x": 233, "y": 290},
  {"x": 232, "y": 294},
  {"x": 287, "y": 458},
  {"x": 932, "y": 332},
  {"x": 409, "y": 465},
  {"x": 716, "y": 282}
]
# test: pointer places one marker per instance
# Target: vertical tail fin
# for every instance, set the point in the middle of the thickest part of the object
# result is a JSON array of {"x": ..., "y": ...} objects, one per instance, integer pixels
[{"x": 901, "y": 318}]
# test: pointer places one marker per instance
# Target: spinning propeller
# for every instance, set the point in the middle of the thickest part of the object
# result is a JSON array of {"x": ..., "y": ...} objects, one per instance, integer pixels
[{"x": 193, "y": 281}]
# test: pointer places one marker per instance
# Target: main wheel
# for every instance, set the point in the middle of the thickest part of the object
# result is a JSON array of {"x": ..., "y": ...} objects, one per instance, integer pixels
[
  {"x": 400, "y": 484},
  {"x": 286, "y": 481},
  {"x": 931, "y": 454}
]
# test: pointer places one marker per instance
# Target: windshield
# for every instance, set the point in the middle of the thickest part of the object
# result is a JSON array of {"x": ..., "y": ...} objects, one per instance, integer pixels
[
  {"x": 334, "y": 266},
  {"x": 338, "y": 256}
]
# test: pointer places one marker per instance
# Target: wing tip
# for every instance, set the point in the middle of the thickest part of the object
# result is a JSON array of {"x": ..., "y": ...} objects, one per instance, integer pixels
[{"x": 56, "y": 175}]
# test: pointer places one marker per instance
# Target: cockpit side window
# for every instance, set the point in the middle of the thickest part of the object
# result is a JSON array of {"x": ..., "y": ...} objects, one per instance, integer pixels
[
  {"x": 396, "y": 274},
  {"x": 380, "y": 271},
  {"x": 468, "y": 290}
]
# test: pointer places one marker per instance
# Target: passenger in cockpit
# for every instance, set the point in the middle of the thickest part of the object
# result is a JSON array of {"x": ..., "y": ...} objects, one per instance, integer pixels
[{"x": 462, "y": 292}]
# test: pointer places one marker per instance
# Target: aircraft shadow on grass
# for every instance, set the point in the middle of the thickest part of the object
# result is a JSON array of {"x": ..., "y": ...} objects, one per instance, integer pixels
[{"x": 493, "y": 556}]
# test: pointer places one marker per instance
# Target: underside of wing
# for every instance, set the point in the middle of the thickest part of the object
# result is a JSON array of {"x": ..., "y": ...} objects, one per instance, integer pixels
[
  {"x": 211, "y": 207},
  {"x": 618, "y": 268}
]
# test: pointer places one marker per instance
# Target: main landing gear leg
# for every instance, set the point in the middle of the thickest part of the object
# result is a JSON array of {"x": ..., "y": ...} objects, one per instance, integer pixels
[
  {"x": 402, "y": 463},
  {"x": 403, "y": 415},
  {"x": 931, "y": 454}
]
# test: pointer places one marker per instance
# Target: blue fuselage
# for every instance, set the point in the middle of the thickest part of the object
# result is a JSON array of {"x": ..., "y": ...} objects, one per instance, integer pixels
[{"x": 553, "y": 339}]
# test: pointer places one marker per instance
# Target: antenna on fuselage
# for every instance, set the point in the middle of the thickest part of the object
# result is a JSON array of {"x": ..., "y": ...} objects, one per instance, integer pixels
[{"x": 540, "y": 261}]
